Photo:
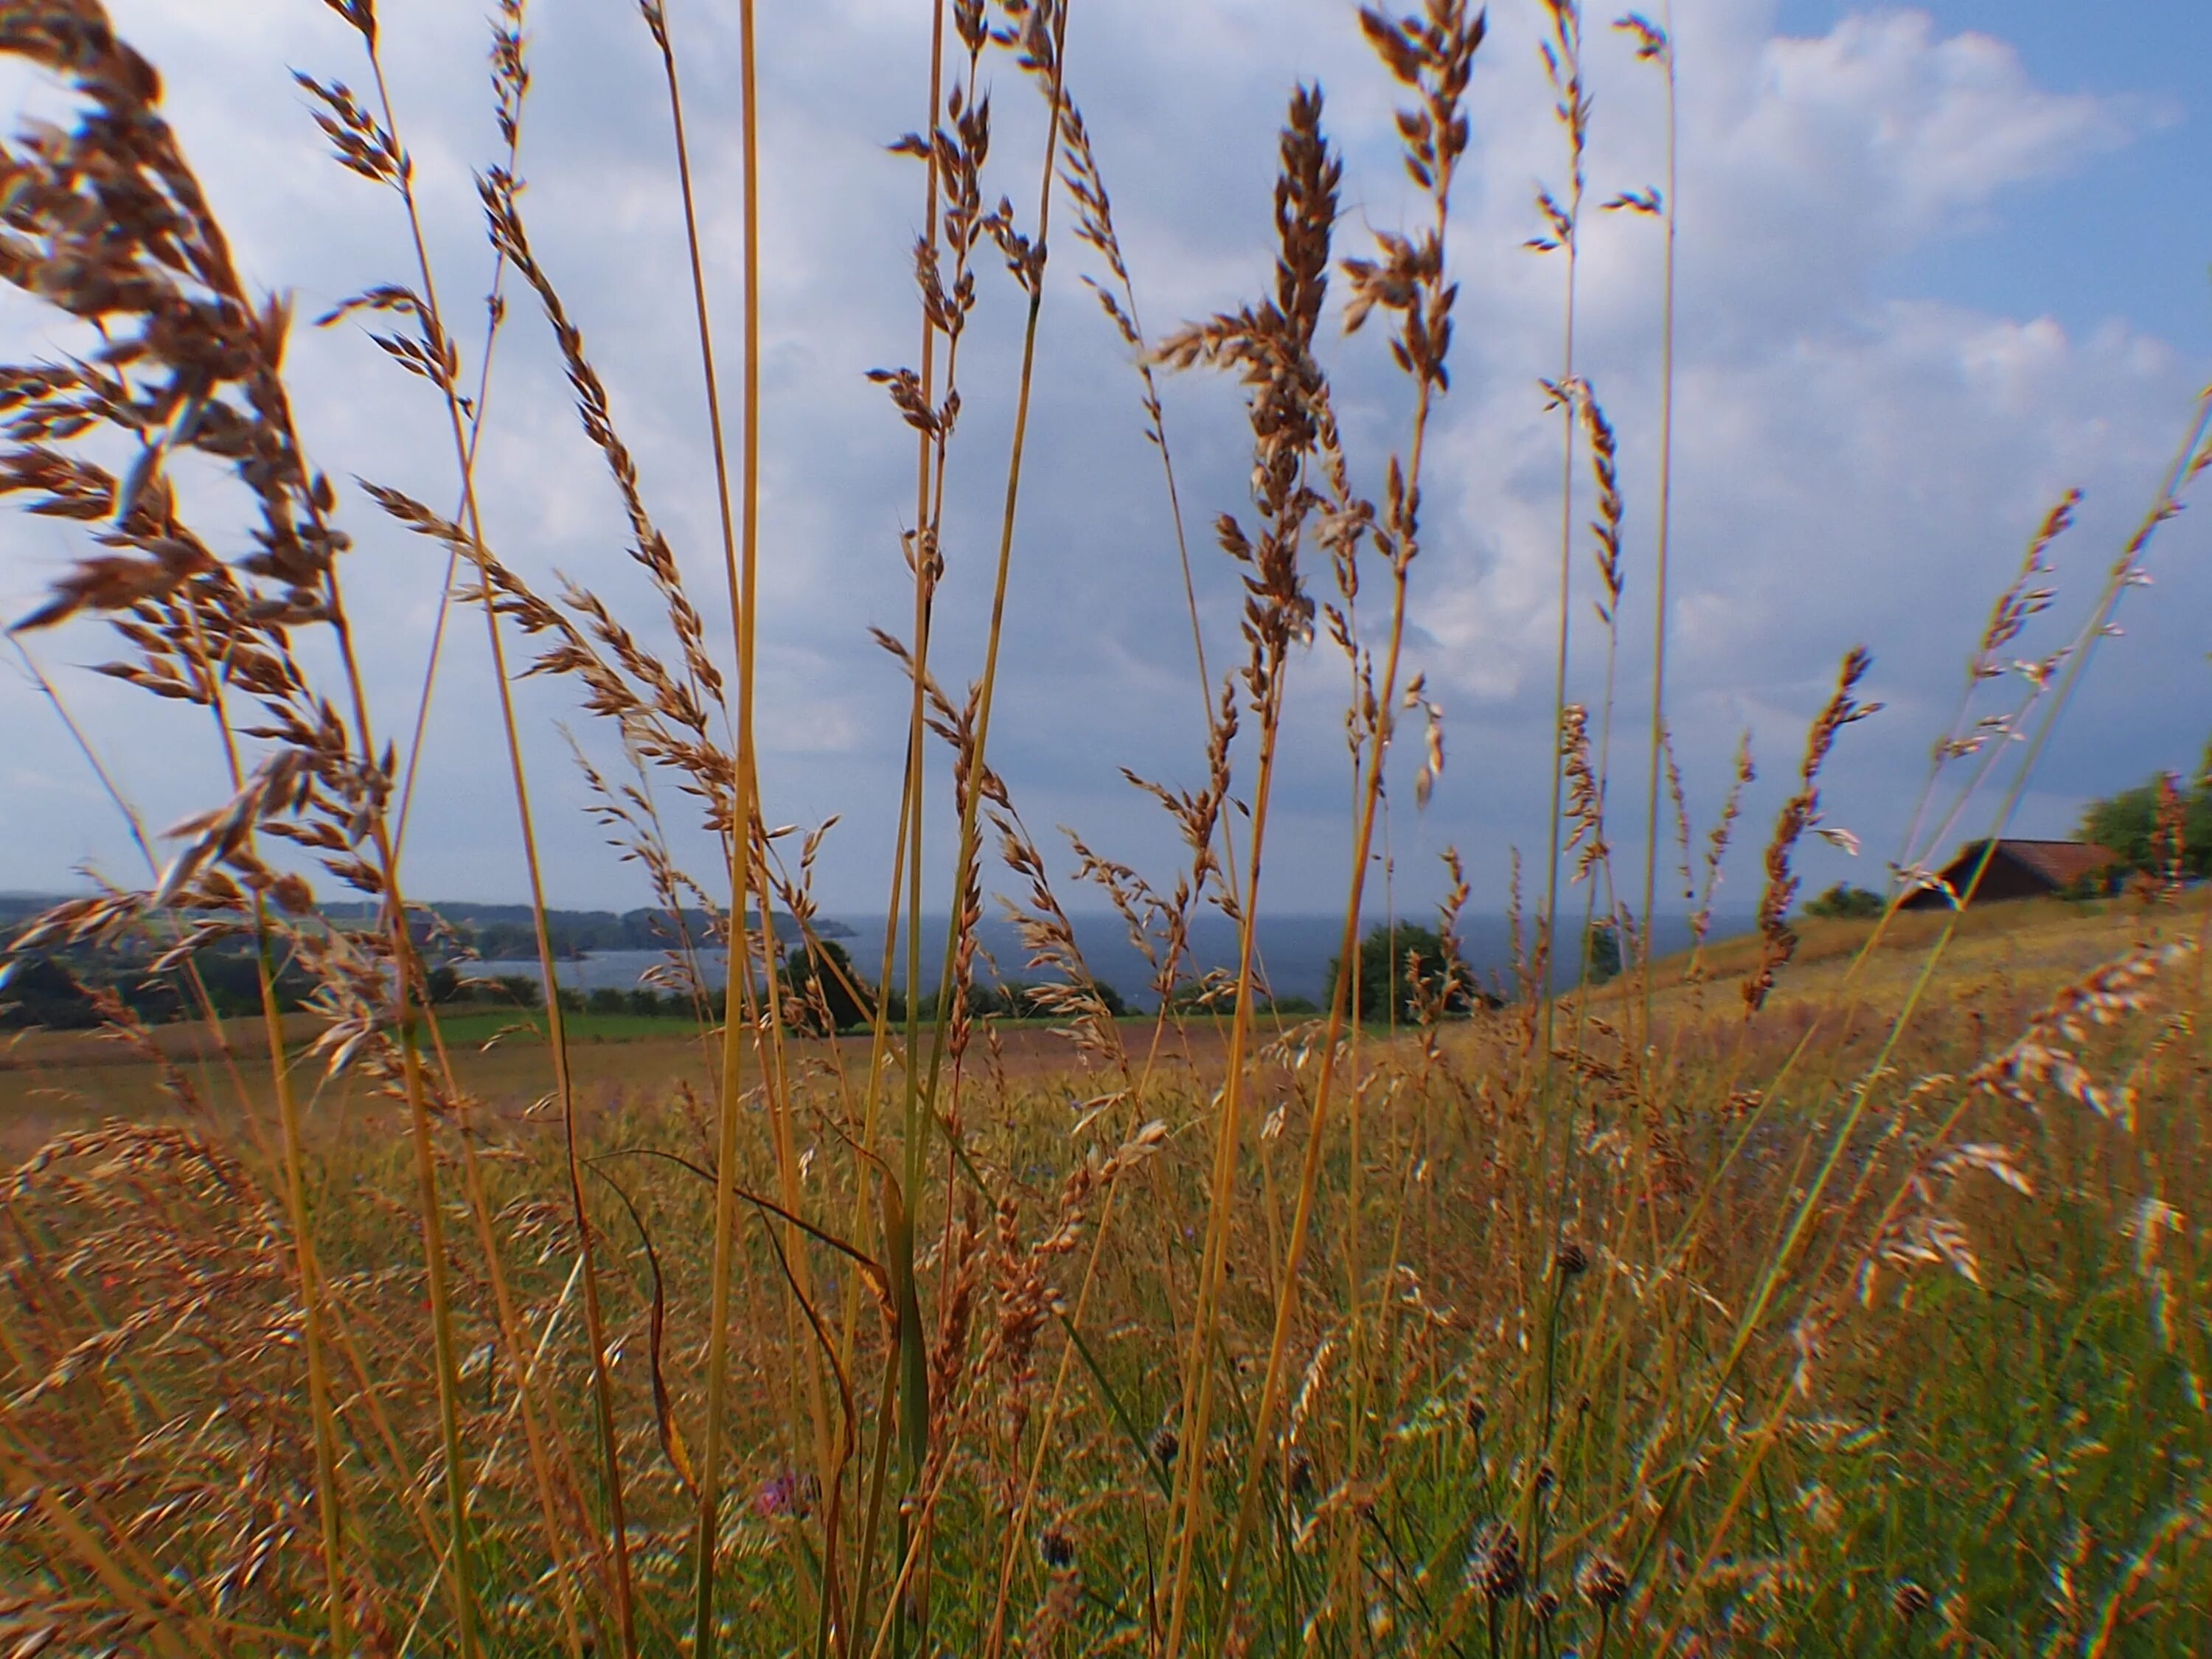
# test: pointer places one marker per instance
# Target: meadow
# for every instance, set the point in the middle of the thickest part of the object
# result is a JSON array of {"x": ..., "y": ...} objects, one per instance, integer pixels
[{"x": 1840, "y": 1288}]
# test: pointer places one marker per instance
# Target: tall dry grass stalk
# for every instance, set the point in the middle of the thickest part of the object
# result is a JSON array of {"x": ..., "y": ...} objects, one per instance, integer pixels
[
  {"x": 1570, "y": 107},
  {"x": 1654, "y": 43}
]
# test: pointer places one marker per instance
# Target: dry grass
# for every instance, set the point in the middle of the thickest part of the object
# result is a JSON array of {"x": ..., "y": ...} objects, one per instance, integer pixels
[{"x": 1842, "y": 1286}]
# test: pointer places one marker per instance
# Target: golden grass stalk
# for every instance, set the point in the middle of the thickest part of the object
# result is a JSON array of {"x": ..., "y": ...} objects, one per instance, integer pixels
[
  {"x": 1039, "y": 36},
  {"x": 741, "y": 550},
  {"x": 1273, "y": 345},
  {"x": 1562, "y": 54},
  {"x": 1656, "y": 44},
  {"x": 465, "y": 425},
  {"x": 1433, "y": 57}
]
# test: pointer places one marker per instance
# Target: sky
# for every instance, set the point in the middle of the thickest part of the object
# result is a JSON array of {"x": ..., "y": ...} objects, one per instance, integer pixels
[{"x": 1936, "y": 265}]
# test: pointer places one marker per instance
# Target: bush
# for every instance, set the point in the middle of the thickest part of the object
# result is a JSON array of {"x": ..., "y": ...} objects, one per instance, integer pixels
[
  {"x": 1407, "y": 961},
  {"x": 825, "y": 978},
  {"x": 1600, "y": 952},
  {"x": 2127, "y": 824},
  {"x": 1846, "y": 901}
]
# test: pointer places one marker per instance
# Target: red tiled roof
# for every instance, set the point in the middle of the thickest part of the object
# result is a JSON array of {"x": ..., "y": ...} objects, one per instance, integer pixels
[{"x": 2057, "y": 862}]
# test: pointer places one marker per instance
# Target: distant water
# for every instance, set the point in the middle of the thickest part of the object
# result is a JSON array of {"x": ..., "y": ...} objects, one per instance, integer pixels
[{"x": 1295, "y": 952}]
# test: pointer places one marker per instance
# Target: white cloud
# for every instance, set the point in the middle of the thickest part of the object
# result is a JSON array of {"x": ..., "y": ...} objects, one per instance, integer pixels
[{"x": 1849, "y": 466}]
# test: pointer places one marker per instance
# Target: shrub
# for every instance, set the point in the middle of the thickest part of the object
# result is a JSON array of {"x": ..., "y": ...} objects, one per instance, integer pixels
[
  {"x": 1600, "y": 952},
  {"x": 825, "y": 979},
  {"x": 2128, "y": 824},
  {"x": 1847, "y": 902},
  {"x": 1407, "y": 962}
]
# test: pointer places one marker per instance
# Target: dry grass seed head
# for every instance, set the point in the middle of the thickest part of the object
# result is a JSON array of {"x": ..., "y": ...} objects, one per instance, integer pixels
[{"x": 1801, "y": 812}]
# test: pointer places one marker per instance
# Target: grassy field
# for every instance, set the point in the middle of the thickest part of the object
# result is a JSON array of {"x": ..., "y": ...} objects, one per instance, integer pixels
[
  {"x": 1936, "y": 1440},
  {"x": 51, "y": 1081},
  {"x": 2004, "y": 961}
]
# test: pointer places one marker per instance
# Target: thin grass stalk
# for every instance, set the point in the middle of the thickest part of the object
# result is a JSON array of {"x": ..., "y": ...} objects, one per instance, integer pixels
[
  {"x": 496, "y": 314},
  {"x": 929, "y": 496},
  {"x": 925, "y": 556},
  {"x": 970, "y": 838},
  {"x": 1287, "y": 402},
  {"x": 1597, "y": 866},
  {"x": 1286, "y": 1298},
  {"x": 924, "y": 471},
  {"x": 465, "y": 430},
  {"x": 1029, "y": 263},
  {"x": 741, "y": 563},
  {"x": 1566, "y": 227},
  {"x": 1087, "y": 186},
  {"x": 1665, "y": 542},
  {"x": 458, "y": 1572},
  {"x": 1414, "y": 285},
  {"x": 748, "y": 872},
  {"x": 321, "y": 1407},
  {"x": 2007, "y": 616},
  {"x": 906, "y": 847},
  {"x": 410, "y": 992},
  {"x": 1199, "y": 1373}
]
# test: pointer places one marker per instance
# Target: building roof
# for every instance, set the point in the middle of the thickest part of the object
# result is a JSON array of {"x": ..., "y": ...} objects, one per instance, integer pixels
[{"x": 2057, "y": 862}]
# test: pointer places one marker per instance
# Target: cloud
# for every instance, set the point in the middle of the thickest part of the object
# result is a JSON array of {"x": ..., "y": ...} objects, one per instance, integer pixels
[{"x": 1848, "y": 465}]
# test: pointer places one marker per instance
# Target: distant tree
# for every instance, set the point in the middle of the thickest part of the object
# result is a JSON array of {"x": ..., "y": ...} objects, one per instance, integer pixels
[
  {"x": 520, "y": 989},
  {"x": 607, "y": 1000},
  {"x": 2127, "y": 824},
  {"x": 1406, "y": 961},
  {"x": 39, "y": 991},
  {"x": 1600, "y": 952},
  {"x": 644, "y": 1000},
  {"x": 1846, "y": 901},
  {"x": 445, "y": 983},
  {"x": 829, "y": 982}
]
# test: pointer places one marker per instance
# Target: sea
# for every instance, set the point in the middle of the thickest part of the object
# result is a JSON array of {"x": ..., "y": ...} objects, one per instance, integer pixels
[{"x": 1295, "y": 952}]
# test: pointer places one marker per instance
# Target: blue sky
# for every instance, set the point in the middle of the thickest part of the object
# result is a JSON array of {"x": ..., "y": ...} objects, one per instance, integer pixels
[
  {"x": 2127, "y": 232},
  {"x": 1938, "y": 265}
]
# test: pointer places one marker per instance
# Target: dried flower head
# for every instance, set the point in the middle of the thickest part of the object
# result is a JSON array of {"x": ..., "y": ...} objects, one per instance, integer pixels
[
  {"x": 1498, "y": 1575},
  {"x": 1601, "y": 1583},
  {"x": 1165, "y": 1444}
]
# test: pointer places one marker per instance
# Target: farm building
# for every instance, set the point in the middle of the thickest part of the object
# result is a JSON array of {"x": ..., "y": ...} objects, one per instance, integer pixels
[{"x": 2017, "y": 869}]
